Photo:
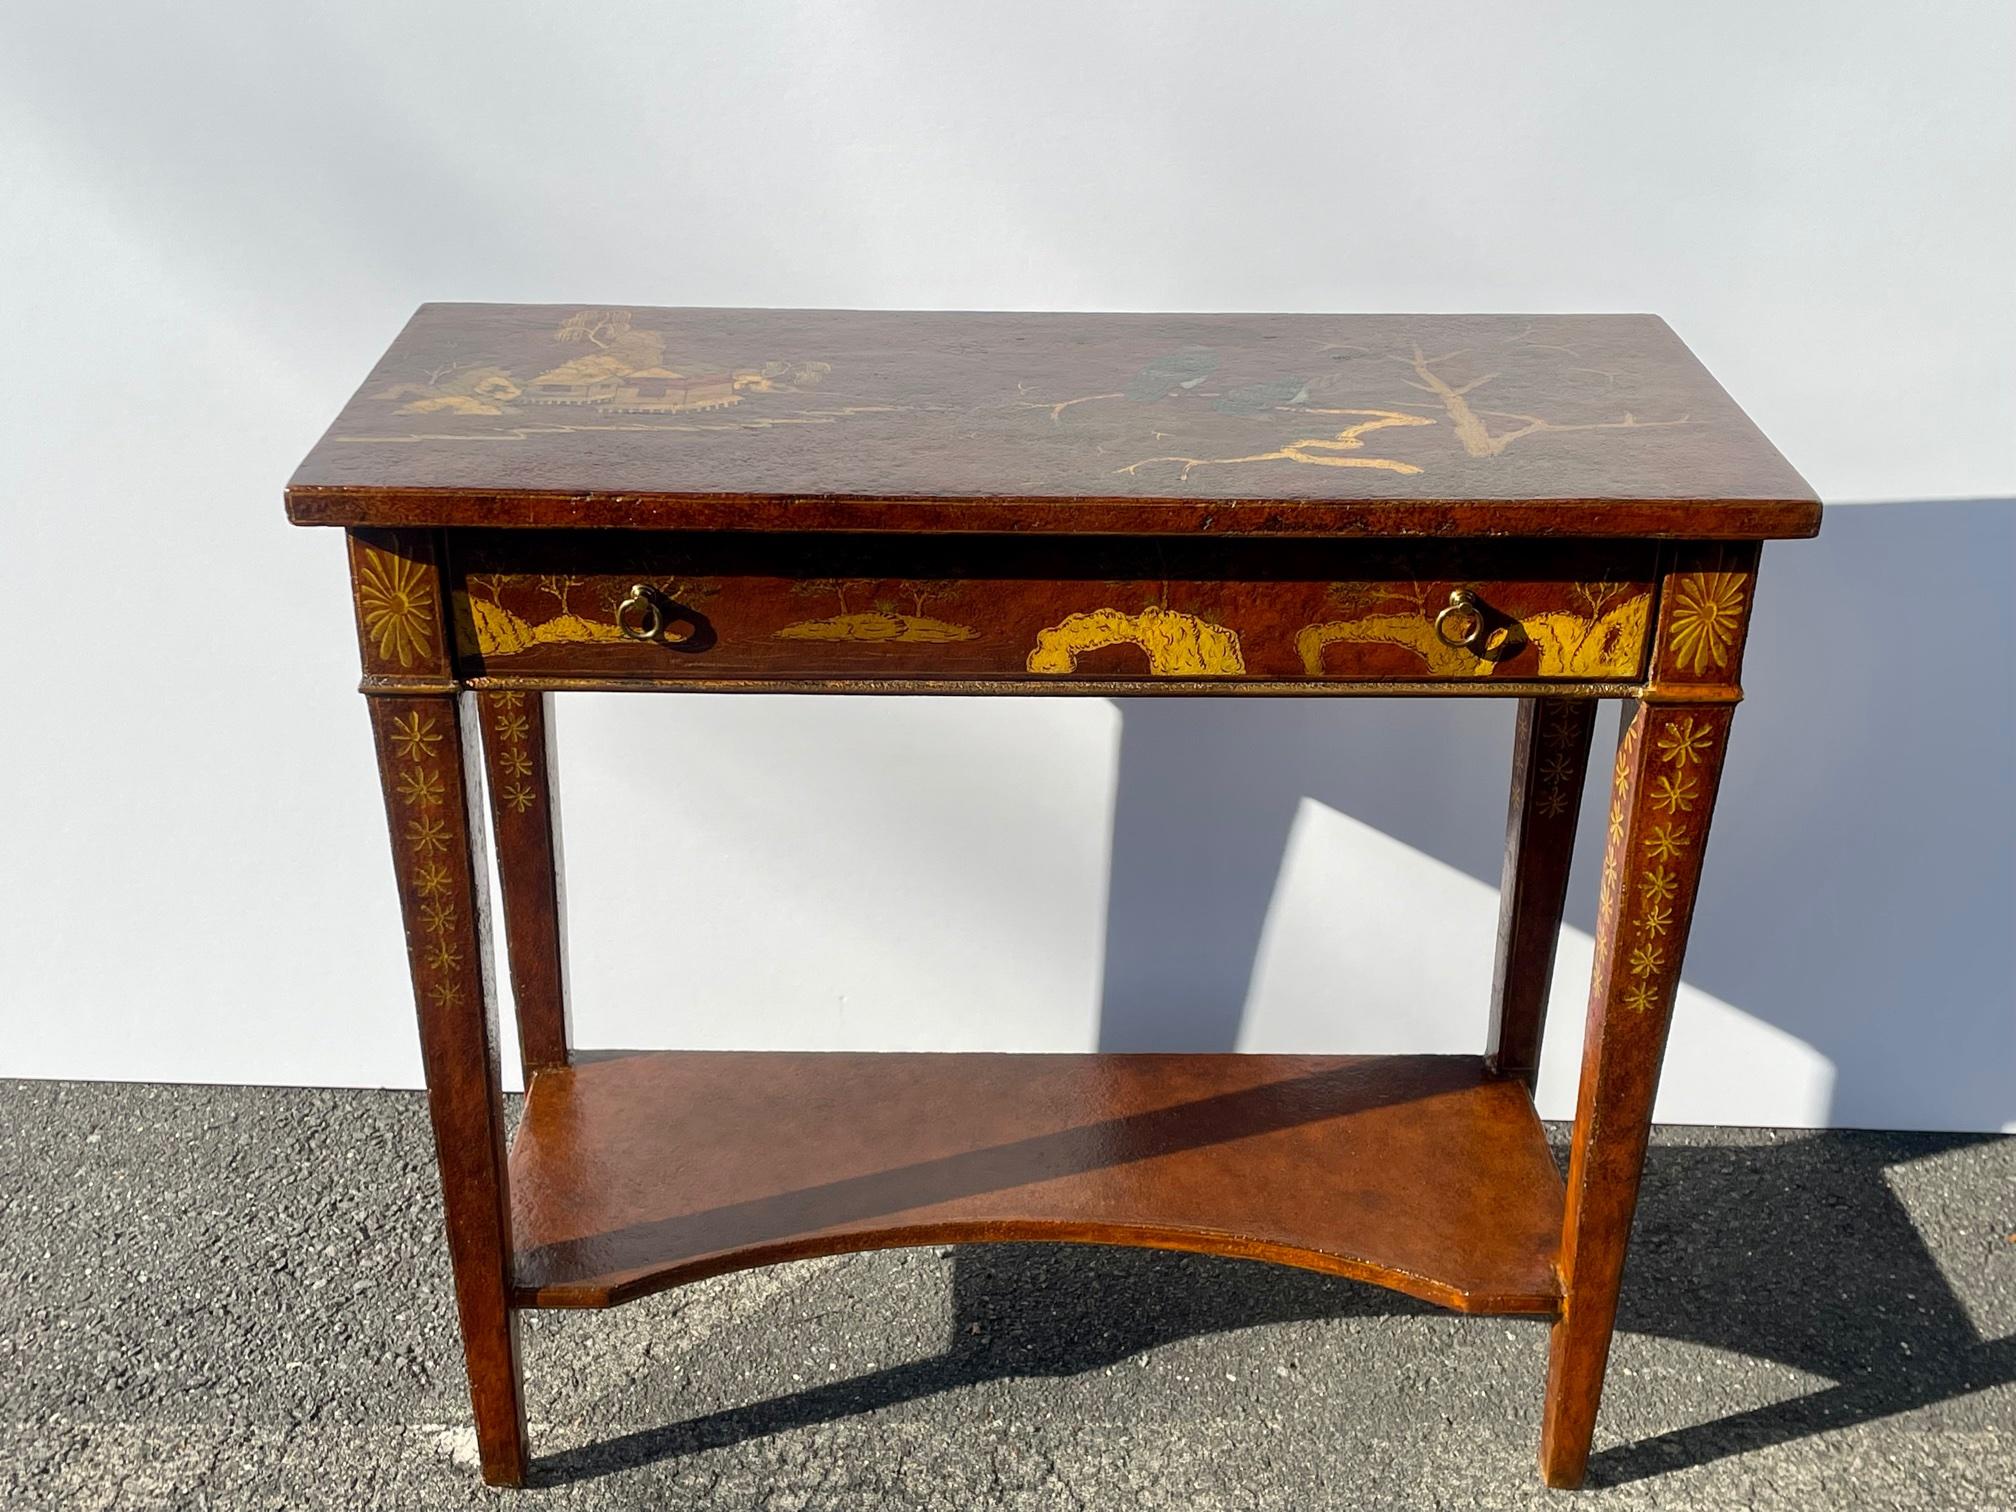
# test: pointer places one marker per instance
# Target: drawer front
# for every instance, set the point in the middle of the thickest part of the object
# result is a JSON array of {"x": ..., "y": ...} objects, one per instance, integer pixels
[{"x": 738, "y": 607}]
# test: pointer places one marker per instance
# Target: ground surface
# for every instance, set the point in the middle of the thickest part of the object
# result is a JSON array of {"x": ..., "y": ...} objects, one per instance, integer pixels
[{"x": 222, "y": 1298}]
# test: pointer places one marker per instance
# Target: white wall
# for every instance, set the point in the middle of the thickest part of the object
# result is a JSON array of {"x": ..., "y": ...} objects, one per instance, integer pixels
[{"x": 216, "y": 215}]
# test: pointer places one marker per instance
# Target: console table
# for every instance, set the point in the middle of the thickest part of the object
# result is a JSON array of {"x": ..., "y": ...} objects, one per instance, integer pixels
[{"x": 1553, "y": 509}]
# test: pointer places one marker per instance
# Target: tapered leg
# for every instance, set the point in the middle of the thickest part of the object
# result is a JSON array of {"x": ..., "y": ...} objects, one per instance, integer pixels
[
  {"x": 430, "y": 802},
  {"x": 1550, "y": 756},
  {"x": 1668, "y": 765},
  {"x": 518, "y": 756}
]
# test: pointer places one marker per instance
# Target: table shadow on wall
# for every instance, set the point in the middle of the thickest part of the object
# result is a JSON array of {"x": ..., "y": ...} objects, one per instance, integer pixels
[{"x": 1863, "y": 854}]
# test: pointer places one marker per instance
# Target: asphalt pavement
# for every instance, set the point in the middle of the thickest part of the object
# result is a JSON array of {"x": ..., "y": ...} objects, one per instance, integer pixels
[{"x": 217, "y": 1298}]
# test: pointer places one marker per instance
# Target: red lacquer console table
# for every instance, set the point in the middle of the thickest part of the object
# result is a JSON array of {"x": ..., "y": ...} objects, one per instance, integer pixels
[{"x": 1553, "y": 509}]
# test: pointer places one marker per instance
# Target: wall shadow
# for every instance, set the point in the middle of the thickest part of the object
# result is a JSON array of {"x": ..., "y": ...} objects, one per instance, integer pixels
[
  {"x": 1863, "y": 855},
  {"x": 1719, "y": 1259}
]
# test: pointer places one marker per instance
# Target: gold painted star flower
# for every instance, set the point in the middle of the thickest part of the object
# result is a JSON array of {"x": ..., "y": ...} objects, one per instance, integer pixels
[
  {"x": 1641, "y": 997},
  {"x": 420, "y": 786},
  {"x": 432, "y": 880},
  {"x": 438, "y": 916},
  {"x": 1666, "y": 842},
  {"x": 519, "y": 797},
  {"x": 512, "y": 727},
  {"x": 516, "y": 763},
  {"x": 1659, "y": 885},
  {"x": 395, "y": 603},
  {"x": 444, "y": 955},
  {"x": 1553, "y": 803},
  {"x": 414, "y": 737},
  {"x": 1683, "y": 742},
  {"x": 1656, "y": 918},
  {"x": 427, "y": 835},
  {"x": 1646, "y": 960},
  {"x": 446, "y": 993},
  {"x": 1707, "y": 608},
  {"x": 1674, "y": 795},
  {"x": 1557, "y": 771}
]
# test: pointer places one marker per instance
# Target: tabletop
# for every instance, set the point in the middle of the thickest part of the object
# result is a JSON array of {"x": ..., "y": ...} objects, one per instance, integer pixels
[{"x": 567, "y": 415}]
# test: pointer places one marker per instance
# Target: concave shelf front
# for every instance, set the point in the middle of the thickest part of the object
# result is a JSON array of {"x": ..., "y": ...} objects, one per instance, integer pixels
[{"x": 1424, "y": 1173}]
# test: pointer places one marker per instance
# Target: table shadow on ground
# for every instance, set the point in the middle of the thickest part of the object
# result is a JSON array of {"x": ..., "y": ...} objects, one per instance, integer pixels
[{"x": 1796, "y": 1252}]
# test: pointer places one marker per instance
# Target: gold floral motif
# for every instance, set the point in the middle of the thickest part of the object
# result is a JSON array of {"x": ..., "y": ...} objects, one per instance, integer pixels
[
  {"x": 1707, "y": 610},
  {"x": 511, "y": 757},
  {"x": 1559, "y": 773},
  {"x": 1684, "y": 742},
  {"x": 1563, "y": 720},
  {"x": 1666, "y": 842},
  {"x": 1674, "y": 795},
  {"x": 427, "y": 835},
  {"x": 395, "y": 602},
  {"x": 414, "y": 737},
  {"x": 421, "y": 787},
  {"x": 1681, "y": 743},
  {"x": 432, "y": 880}
]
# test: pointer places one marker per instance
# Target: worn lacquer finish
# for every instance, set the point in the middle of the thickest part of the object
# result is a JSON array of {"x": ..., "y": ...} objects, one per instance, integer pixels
[{"x": 500, "y": 415}]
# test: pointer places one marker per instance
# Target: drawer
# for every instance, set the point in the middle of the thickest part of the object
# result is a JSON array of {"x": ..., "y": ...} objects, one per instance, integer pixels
[{"x": 738, "y": 607}]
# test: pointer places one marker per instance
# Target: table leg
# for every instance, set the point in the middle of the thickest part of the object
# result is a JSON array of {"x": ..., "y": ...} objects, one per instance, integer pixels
[
  {"x": 1668, "y": 766},
  {"x": 518, "y": 757},
  {"x": 430, "y": 803},
  {"x": 1550, "y": 756}
]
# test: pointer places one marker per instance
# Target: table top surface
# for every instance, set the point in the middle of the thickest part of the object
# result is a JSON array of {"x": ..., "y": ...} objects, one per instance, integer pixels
[{"x": 564, "y": 415}]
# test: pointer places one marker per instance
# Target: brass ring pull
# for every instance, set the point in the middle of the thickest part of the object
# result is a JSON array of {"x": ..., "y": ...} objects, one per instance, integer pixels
[
  {"x": 1462, "y": 624},
  {"x": 641, "y": 615}
]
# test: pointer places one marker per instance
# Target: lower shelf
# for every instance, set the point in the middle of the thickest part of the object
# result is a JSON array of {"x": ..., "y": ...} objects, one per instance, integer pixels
[{"x": 635, "y": 1172}]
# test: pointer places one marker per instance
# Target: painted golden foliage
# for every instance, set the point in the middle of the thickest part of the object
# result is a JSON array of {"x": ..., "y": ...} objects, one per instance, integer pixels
[{"x": 1178, "y": 645}]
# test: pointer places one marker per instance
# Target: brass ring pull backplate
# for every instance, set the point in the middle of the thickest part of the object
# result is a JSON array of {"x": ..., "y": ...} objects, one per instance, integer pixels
[
  {"x": 1462, "y": 623},
  {"x": 641, "y": 615}
]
